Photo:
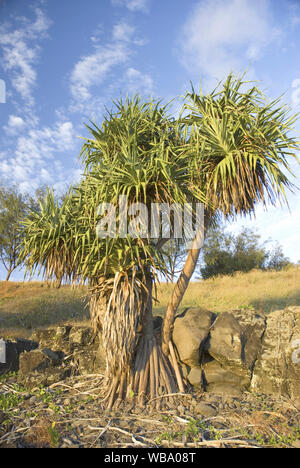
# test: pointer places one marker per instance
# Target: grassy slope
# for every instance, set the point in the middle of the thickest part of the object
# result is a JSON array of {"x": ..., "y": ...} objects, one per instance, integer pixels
[{"x": 24, "y": 306}]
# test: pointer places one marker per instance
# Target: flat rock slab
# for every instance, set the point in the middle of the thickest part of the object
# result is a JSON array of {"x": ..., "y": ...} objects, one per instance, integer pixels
[{"x": 277, "y": 370}]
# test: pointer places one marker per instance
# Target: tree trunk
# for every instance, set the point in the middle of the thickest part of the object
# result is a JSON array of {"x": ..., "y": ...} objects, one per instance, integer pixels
[
  {"x": 179, "y": 290},
  {"x": 58, "y": 282},
  {"x": 136, "y": 365},
  {"x": 8, "y": 274}
]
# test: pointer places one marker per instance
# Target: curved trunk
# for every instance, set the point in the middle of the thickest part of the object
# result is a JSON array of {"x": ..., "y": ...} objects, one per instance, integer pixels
[{"x": 180, "y": 288}]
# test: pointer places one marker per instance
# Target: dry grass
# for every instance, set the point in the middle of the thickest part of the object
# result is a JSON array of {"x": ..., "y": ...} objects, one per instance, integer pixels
[
  {"x": 43, "y": 434},
  {"x": 25, "y": 306},
  {"x": 266, "y": 290}
]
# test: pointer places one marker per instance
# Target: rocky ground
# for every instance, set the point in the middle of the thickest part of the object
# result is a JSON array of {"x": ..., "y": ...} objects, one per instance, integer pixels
[
  {"x": 241, "y": 370},
  {"x": 69, "y": 414}
]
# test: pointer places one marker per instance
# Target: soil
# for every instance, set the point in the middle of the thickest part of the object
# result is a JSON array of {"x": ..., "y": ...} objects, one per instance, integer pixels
[{"x": 70, "y": 414}]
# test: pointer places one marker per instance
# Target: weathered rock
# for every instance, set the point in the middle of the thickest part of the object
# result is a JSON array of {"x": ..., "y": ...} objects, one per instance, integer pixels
[
  {"x": 195, "y": 377},
  {"x": 53, "y": 338},
  {"x": 205, "y": 409},
  {"x": 33, "y": 361},
  {"x": 190, "y": 334},
  {"x": 41, "y": 367},
  {"x": 13, "y": 350},
  {"x": 218, "y": 380},
  {"x": 90, "y": 360},
  {"x": 235, "y": 341},
  {"x": 63, "y": 351},
  {"x": 81, "y": 336},
  {"x": 253, "y": 325},
  {"x": 51, "y": 354},
  {"x": 277, "y": 370}
]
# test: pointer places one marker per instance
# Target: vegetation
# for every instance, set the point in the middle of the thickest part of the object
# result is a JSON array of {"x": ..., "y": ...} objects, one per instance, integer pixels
[
  {"x": 49, "y": 244},
  {"x": 225, "y": 253},
  {"x": 44, "y": 418},
  {"x": 14, "y": 207},
  {"x": 230, "y": 151},
  {"x": 27, "y": 306},
  {"x": 261, "y": 290},
  {"x": 30, "y": 305}
]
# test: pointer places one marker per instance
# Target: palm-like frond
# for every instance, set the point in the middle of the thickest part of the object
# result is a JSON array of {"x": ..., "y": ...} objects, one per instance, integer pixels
[
  {"x": 47, "y": 244},
  {"x": 241, "y": 146},
  {"x": 138, "y": 152}
]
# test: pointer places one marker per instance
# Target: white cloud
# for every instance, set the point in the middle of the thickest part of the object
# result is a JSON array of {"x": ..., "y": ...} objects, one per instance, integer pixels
[
  {"x": 14, "y": 125},
  {"x": 123, "y": 32},
  {"x": 132, "y": 5},
  {"x": 138, "y": 82},
  {"x": 294, "y": 13},
  {"x": 295, "y": 21},
  {"x": 92, "y": 69},
  {"x": 29, "y": 165},
  {"x": 296, "y": 92},
  {"x": 224, "y": 35},
  {"x": 20, "y": 52},
  {"x": 102, "y": 67}
]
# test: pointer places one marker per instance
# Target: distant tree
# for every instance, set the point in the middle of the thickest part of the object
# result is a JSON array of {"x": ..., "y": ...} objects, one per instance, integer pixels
[
  {"x": 174, "y": 254},
  {"x": 277, "y": 260},
  {"x": 14, "y": 207},
  {"x": 224, "y": 253}
]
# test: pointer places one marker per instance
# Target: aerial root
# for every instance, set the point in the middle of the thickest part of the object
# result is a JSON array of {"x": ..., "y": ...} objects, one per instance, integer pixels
[{"x": 153, "y": 374}]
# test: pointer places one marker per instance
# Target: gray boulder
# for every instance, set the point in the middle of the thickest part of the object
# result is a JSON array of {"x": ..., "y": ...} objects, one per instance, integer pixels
[
  {"x": 235, "y": 341},
  {"x": 219, "y": 380},
  {"x": 195, "y": 377},
  {"x": 190, "y": 334},
  {"x": 41, "y": 367},
  {"x": 63, "y": 351},
  {"x": 277, "y": 369},
  {"x": 13, "y": 350}
]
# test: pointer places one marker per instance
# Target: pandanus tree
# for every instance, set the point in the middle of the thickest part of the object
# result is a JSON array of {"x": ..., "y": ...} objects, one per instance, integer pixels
[
  {"x": 242, "y": 152},
  {"x": 138, "y": 154},
  {"x": 229, "y": 151},
  {"x": 47, "y": 246}
]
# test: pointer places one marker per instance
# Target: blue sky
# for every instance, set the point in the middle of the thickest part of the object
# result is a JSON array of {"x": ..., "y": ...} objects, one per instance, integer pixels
[{"x": 63, "y": 61}]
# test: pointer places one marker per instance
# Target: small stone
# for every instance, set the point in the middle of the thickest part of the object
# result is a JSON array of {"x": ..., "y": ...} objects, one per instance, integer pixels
[
  {"x": 181, "y": 409},
  {"x": 195, "y": 377},
  {"x": 205, "y": 410}
]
